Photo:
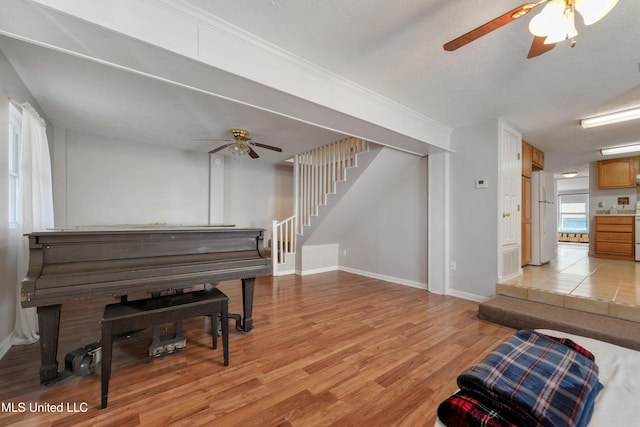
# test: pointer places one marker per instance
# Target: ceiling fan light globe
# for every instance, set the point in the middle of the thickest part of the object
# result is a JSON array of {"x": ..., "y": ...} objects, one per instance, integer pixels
[
  {"x": 594, "y": 10},
  {"x": 565, "y": 29},
  {"x": 548, "y": 19}
]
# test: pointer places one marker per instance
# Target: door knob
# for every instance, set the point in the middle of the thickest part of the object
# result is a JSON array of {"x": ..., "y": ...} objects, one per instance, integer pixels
[{"x": 505, "y": 214}]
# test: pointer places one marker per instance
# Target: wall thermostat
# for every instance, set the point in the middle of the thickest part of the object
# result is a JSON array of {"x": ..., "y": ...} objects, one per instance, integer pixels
[{"x": 481, "y": 183}]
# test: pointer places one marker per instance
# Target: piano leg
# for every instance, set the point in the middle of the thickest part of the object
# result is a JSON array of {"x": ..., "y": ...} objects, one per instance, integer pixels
[
  {"x": 49, "y": 323},
  {"x": 247, "y": 303}
]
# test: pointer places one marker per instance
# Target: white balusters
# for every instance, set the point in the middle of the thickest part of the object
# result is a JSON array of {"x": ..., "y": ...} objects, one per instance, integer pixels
[
  {"x": 283, "y": 241},
  {"x": 317, "y": 172},
  {"x": 315, "y": 175}
]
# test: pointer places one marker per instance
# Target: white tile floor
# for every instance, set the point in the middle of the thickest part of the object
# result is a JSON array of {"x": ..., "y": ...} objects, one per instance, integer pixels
[{"x": 575, "y": 280}]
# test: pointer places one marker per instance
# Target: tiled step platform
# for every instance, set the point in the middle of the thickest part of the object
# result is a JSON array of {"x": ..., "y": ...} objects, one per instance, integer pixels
[{"x": 591, "y": 304}]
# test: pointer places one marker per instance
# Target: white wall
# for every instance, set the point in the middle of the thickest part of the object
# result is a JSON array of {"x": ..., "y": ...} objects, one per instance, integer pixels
[
  {"x": 474, "y": 228},
  {"x": 107, "y": 181},
  {"x": 103, "y": 181},
  {"x": 381, "y": 222},
  {"x": 256, "y": 193},
  {"x": 319, "y": 258},
  {"x": 10, "y": 87}
]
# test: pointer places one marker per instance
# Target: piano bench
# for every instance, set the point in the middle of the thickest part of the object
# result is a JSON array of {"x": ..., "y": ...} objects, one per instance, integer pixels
[{"x": 141, "y": 314}]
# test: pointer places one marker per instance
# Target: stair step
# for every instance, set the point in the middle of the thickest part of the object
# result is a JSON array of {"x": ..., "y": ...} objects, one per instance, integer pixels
[{"x": 522, "y": 314}]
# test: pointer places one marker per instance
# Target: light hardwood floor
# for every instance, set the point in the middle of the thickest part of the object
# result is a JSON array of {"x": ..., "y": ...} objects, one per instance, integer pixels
[
  {"x": 576, "y": 280},
  {"x": 328, "y": 349}
]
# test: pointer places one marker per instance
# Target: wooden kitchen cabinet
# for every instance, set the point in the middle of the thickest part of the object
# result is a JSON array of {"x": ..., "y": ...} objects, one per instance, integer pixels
[
  {"x": 537, "y": 159},
  {"x": 532, "y": 159},
  {"x": 527, "y": 159},
  {"x": 614, "y": 237},
  {"x": 617, "y": 173}
]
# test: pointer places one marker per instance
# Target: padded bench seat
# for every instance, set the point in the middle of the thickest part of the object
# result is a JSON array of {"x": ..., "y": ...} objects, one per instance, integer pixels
[{"x": 141, "y": 314}]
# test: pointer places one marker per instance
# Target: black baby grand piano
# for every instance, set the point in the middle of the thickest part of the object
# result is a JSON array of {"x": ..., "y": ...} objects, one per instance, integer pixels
[{"x": 75, "y": 264}]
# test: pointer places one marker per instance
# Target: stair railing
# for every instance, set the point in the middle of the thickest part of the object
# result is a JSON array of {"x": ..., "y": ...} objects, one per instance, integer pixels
[
  {"x": 283, "y": 241},
  {"x": 315, "y": 174}
]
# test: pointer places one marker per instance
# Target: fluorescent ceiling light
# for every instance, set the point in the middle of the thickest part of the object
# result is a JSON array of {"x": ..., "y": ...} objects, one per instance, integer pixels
[
  {"x": 570, "y": 174},
  {"x": 620, "y": 150},
  {"x": 607, "y": 119}
]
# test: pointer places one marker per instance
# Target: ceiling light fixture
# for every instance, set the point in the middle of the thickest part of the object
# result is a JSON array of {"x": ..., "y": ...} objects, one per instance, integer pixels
[
  {"x": 609, "y": 151},
  {"x": 607, "y": 119},
  {"x": 556, "y": 21},
  {"x": 570, "y": 174}
]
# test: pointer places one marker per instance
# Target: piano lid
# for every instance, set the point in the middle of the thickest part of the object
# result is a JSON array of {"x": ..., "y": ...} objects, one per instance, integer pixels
[
  {"x": 148, "y": 226},
  {"x": 77, "y": 263}
]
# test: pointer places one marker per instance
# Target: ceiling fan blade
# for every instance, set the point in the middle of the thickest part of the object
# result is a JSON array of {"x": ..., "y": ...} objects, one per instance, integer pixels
[
  {"x": 213, "y": 139},
  {"x": 538, "y": 47},
  {"x": 492, "y": 25},
  {"x": 252, "y": 153},
  {"x": 268, "y": 147},
  {"x": 222, "y": 147}
]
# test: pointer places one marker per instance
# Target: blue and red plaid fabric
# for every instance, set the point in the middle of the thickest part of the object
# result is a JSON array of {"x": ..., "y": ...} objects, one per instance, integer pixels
[
  {"x": 464, "y": 410},
  {"x": 577, "y": 347},
  {"x": 529, "y": 380}
]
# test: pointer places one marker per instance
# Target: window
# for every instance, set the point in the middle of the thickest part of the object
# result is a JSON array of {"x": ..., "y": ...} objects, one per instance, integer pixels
[
  {"x": 573, "y": 213},
  {"x": 15, "y": 129}
]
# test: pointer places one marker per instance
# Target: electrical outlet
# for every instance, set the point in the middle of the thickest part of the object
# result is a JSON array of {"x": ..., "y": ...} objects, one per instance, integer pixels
[
  {"x": 453, "y": 265},
  {"x": 344, "y": 252}
]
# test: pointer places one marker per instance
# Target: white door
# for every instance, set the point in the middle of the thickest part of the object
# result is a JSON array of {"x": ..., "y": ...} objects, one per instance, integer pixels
[
  {"x": 509, "y": 221},
  {"x": 511, "y": 173}
]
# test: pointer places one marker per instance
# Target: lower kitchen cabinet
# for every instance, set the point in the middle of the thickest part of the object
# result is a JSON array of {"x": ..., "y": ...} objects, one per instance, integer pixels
[{"x": 614, "y": 237}]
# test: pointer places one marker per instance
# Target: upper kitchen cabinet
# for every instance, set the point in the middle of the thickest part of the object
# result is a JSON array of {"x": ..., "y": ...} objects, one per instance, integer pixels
[
  {"x": 532, "y": 159},
  {"x": 617, "y": 173},
  {"x": 527, "y": 159},
  {"x": 537, "y": 159}
]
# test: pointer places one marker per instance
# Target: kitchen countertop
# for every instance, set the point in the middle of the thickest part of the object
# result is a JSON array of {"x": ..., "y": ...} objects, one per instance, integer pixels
[{"x": 621, "y": 212}]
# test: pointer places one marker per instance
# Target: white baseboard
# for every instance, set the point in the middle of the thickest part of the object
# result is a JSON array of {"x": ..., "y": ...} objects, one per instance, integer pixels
[
  {"x": 316, "y": 270},
  {"x": 466, "y": 295},
  {"x": 404, "y": 282},
  {"x": 5, "y": 345},
  {"x": 284, "y": 272},
  {"x": 397, "y": 280}
]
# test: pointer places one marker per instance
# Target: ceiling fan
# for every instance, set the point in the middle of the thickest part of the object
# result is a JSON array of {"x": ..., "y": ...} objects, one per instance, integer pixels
[
  {"x": 241, "y": 144},
  {"x": 555, "y": 23}
]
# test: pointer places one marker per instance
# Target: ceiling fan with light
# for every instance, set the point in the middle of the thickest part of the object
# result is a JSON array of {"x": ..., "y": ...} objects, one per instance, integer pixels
[
  {"x": 555, "y": 23},
  {"x": 241, "y": 144}
]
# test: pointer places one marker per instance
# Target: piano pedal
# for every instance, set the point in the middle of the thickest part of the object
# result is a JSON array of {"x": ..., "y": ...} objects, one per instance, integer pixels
[
  {"x": 219, "y": 331},
  {"x": 167, "y": 346}
]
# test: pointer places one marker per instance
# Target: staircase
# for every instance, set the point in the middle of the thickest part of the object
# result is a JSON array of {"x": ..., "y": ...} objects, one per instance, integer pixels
[{"x": 316, "y": 173}]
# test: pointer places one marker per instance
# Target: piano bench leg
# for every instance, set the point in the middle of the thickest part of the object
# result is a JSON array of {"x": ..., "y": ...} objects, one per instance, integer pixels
[
  {"x": 214, "y": 329},
  {"x": 222, "y": 324},
  {"x": 224, "y": 319}
]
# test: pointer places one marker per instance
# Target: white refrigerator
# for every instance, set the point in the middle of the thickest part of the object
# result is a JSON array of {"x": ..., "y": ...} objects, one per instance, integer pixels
[{"x": 544, "y": 228}]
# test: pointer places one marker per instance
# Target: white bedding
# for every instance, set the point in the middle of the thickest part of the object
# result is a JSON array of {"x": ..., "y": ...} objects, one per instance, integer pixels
[{"x": 618, "y": 404}]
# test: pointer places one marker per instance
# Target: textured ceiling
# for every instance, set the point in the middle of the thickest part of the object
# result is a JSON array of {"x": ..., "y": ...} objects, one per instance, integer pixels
[
  {"x": 392, "y": 48},
  {"x": 395, "y": 48}
]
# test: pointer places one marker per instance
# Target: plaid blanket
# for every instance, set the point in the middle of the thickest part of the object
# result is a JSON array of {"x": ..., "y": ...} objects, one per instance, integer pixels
[{"x": 529, "y": 380}]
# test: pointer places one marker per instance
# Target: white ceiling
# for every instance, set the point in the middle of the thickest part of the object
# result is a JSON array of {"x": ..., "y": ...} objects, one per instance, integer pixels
[{"x": 392, "y": 48}]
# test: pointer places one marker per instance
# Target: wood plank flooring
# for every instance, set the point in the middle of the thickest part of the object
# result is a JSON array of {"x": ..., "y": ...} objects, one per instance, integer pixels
[{"x": 328, "y": 349}]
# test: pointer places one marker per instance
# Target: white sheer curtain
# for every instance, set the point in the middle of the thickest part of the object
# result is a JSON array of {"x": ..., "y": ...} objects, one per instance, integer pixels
[{"x": 35, "y": 209}]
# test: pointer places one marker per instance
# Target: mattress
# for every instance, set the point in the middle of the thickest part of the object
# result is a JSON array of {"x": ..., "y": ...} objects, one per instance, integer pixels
[{"x": 618, "y": 404}]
